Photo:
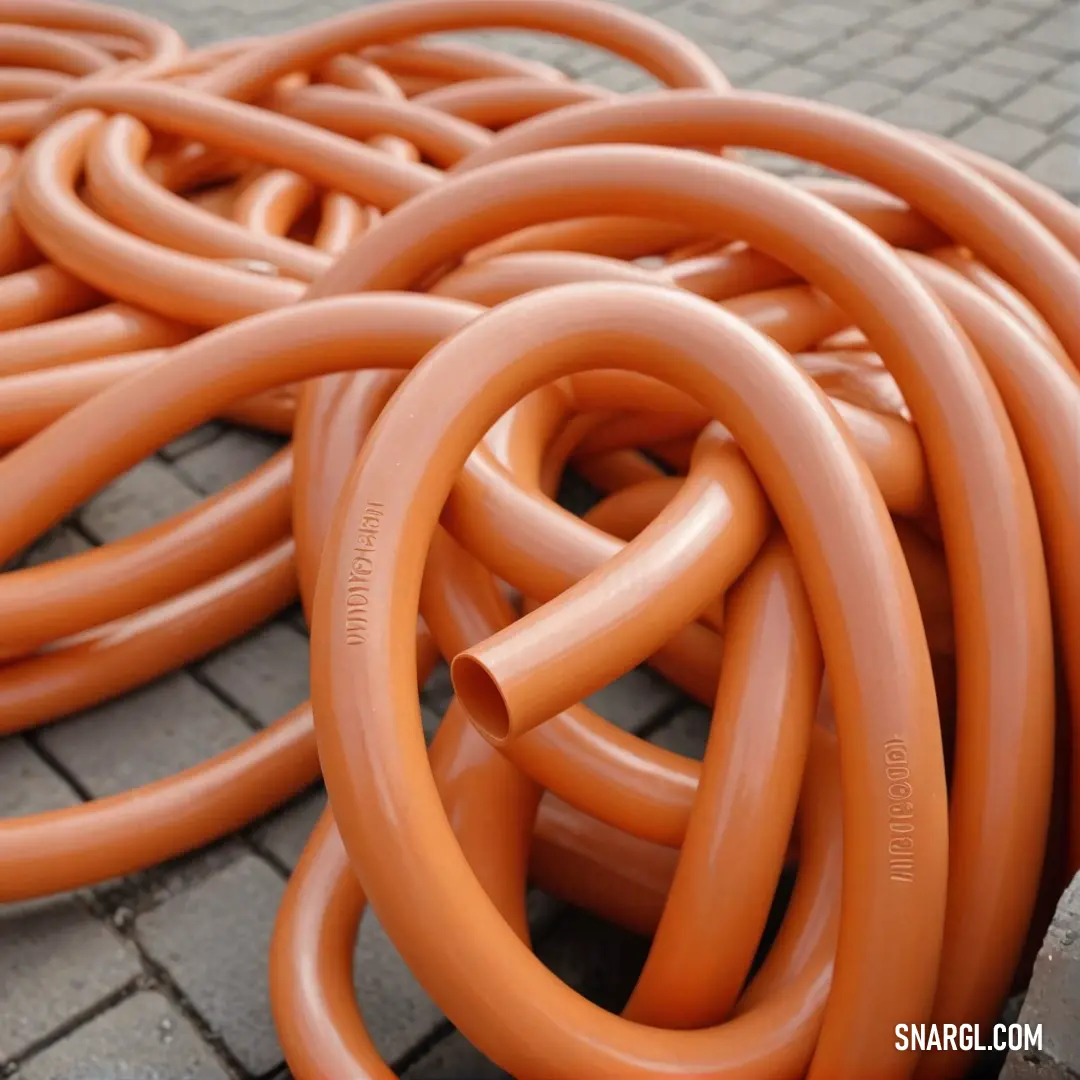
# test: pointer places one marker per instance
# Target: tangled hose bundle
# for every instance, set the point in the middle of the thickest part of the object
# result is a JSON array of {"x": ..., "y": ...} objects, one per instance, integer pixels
[{"x": 835, "y": 423}]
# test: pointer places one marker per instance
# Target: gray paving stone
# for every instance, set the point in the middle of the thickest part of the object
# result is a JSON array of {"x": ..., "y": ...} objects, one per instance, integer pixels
[
  {"x": 57, "y": 543},
  {"x": 431, "y": 721},
  {"x": 862, "y": 51},
  {"x": 599, "y": 960},
  {"x": 153, "y": 732},
  {"x": 142, "y": 1038},
  {"x": 215, "y": 910},
  {"x": 861, "y": 95},
  {"x": 1053, "y": 999},
  {"x": 171, "y": 879},
  {"x": 790, "y": 42},
  {"x": 578, "y": 63},
  {"x": 929, "y": 112},
  {"x": 1012, "y": 57},
  {"x": 1003, "y": 139},
  {"x": 454, "y": 1056},
  {"x": 213, "y": 940},
  {"x": 700, "y": 23},
  {"x": 908, "y": 69},
  {"x": 143, "y": 496},
  {"x": 438, "y": 690},
  {"x": 686, "y": 733},
  {"x": 285, "y": 834},
  {"x": 266, "y": 673},
  {"x": 831, "y": 16},
  {"x": 27, "y": 784},
  {"x": 779, "y": 164},
  {"x": 1005, "y": 19},
  {"x": 972, "y": 31},
  {"x": 634, "y": 700},
  {"x": 193, "y": 440},
  {"x": 296, "y": 619},
  {"x": 1068, "y": 76},
  {"x": 742, "y": 64},
  {"x": 1058, "y": 167},
  {"x": 58, "y": 962},
  {"x": 1059, "y": 32},
  {"x": 921, "y": 17},
  {"x": 226, "y": 460},
  {"x": 980, "y": 85},
  {"x": 622, "y": 78},
  {"x": 1041, "y": 5},
  {"x": 397, "y": 1011},
  {"x": 1043, "y": 105},
  {"x": 788, "y": 79}
]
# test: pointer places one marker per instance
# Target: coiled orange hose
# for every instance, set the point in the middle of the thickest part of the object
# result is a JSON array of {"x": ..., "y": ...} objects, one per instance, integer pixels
[{"x": 834, "y": 425}]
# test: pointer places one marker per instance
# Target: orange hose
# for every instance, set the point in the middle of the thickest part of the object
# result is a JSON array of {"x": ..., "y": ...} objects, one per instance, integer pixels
[{"x": 831, "y": 425}]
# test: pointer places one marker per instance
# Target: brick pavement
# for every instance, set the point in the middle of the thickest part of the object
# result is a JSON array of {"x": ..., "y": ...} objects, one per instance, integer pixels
[{"x": 163, "y": 975}]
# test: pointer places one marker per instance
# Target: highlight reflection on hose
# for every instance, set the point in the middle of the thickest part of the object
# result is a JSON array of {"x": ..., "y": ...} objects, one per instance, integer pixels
[{"x": 833, "y": 428}]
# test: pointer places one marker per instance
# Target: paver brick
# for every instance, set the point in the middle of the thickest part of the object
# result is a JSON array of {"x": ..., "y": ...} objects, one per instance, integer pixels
[
  {"x": 150, "y": 733},
  {"x": 1051, "y": 999},
  {"x": 788, "y": 79},
  {"x": 285, "y": 834},
  {"x": 971, "y": 83},
  {"x": 955, "y": 63},
  {"x": 228, "y": 459},
  {"x": 790, "y": 42},
  {"x": 861, "y": 51},
  {"x": 1042, "y": 105},
  {"x": 909, "y": 69},
  {"x": 921, "y": 17},
  {"x": 57, "y": 962},
  {"x": 1040, "y": 5},
  {"x": 27, "y": 784},
  {"x": 438, "y": 690},
  {"x": 58, "y": 543},
  {"x": 861, "y": 95},
  {"x": 1058, "y": 167},
  {"x": 1068, "y": 76},
  {"x": 928, "y": 112},
  {"x": 597, "y": 959},
  {"x": 685, "y": 733},
  {"x": 454, "y": 1056},
  {"x": 397, "y": 1011},
  {"x": 142, "y": 1038},
  {"x": 824, "y": 15},
  {"x": 622, "y": 78},
  {"x": 1058, "y": 32},
  {"x": 634, "y": 700},
  {"x": 1012, "y": 57},
  {"x": 971, "y": 31},
  {"x": 266, "y": 672},
  {"x": 213, "y": 940},
  {"x": 192, "y": 440},
  {"x": 742, "y": 64},
  {"x": 1003, "y": 139},
  {"x": 143, "y": 496}
]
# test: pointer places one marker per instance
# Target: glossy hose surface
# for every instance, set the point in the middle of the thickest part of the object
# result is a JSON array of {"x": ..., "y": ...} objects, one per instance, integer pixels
[
  {"x": 831, "y": 424},
  {"x": 580, "y": 1033},
  {"x": 1032, "y": 704}
]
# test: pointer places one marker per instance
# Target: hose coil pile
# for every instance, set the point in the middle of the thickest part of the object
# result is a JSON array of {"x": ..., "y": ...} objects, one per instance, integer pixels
[{"x": 835, "y": 423}]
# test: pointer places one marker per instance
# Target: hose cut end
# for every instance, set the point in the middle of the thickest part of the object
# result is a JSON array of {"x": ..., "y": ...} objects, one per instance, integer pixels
[{"x": 479, "y": 692}]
